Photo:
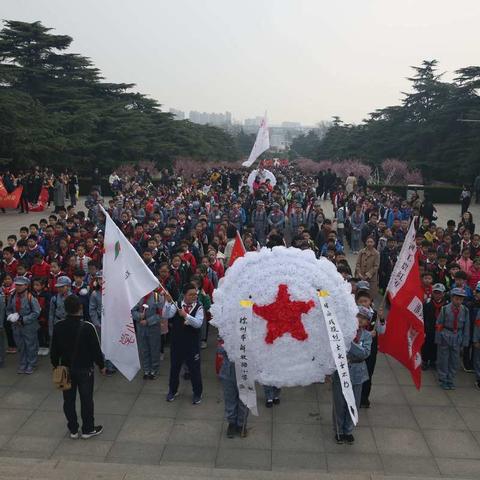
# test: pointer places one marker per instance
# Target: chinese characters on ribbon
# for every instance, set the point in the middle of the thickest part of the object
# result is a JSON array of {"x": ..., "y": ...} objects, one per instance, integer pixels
[
  {"x": 244, "y": 368},
  {"x": 339, "y": 353}
]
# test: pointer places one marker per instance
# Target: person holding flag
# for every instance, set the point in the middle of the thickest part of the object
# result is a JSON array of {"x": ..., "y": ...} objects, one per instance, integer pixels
[
  {"x": 186, "y": 319},
  {"x": 358, "y": 352},
  {"x": 126, "y": 280},
  {"x": 404, "y": 334}
]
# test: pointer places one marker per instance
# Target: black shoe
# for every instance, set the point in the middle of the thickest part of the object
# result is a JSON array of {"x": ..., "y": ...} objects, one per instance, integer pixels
[
  {"x": 171, "y": 396},
  {"x": 197, "y": 400},
  {"x": 145, "y": 376},
  {"x": 477, "y": 385},
  {"x": 151, "y": 376},
  {"x": 349, "y": 439},
  {"x": 243, "y": 432},
  {"x": 96, "y": 431},
  {"x": 231, "y": 430},
  {"x": 365, "y": 404},
  {"x": 110, "y": 373},
  {"x": 269, "y": 403},
  {"x": 276, "y": 401},
  {"x": 340, "y": 439}
]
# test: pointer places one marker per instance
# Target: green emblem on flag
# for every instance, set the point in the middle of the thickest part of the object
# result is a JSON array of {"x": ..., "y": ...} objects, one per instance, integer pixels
[{"x": 117, "y": 249}]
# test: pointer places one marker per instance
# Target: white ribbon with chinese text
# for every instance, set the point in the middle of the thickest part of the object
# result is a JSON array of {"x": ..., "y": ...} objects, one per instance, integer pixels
[{"x": 339, "y": 353}]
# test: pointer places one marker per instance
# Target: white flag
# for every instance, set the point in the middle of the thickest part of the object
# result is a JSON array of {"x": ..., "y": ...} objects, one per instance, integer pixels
[
  {"x": 262, "y": 143},
  {"x": 126, "y": 279}
]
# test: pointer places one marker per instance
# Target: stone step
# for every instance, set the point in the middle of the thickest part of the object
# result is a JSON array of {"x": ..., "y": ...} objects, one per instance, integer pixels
[{"x": 13, "y": 468}]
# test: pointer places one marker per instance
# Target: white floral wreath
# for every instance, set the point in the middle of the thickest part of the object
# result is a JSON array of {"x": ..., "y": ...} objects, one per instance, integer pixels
[{"x": 277, "y": 358}]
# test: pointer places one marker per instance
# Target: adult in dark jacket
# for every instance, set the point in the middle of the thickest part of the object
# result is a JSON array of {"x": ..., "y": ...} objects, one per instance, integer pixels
[{"x": 75, "y": 344}]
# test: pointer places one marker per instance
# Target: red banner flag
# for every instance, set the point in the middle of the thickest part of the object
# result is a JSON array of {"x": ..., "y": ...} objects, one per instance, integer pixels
[
  {"x": 238, "y": 249},
  {"x": 41, "y": 203},
  {"x": 9, "y": 200},
  {"x": 404, "y": 335}
]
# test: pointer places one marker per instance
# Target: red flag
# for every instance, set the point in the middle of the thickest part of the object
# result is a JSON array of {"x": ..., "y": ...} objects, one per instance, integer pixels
[
  {"x": 41, "y": 202},
  {"x": 404, "y": 335},
  {"x": 9, "y": 200},
  {"x": 238, "y": 249}
]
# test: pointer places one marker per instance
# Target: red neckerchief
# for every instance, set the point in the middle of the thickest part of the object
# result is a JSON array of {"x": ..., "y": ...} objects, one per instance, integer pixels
[
  {"x": 358, "y": 335},
  {"x": 437, "y": 307},
  {"x": 456, "y": 313},
  {"x": 18, "y": 302}
]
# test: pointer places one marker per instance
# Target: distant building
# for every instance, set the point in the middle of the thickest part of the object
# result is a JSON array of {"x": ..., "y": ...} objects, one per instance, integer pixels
[
  {"x": 215, "y": 119},
  {"x": 253, "y": 122}
]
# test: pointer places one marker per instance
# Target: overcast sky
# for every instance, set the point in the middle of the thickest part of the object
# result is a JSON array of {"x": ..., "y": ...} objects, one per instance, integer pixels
[{"x": 302, "y": 60}]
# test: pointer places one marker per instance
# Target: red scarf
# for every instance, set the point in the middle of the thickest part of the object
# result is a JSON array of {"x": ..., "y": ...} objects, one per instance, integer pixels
[
  {"x": 437, "y": 306},
  {"x": 18, "y": 303},
  {"x": 456, "y": 313}
]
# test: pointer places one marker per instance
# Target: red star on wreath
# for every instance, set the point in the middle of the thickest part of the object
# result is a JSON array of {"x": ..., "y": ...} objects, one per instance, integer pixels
[{"x": 284, "y": 316}]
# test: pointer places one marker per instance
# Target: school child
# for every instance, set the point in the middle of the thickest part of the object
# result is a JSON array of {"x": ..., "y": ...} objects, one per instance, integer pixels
[
  {"x": 236, "y": 413},
  {"x": 40, "y": 292},
  {"x": 23, "y": 311},
  {"x": 358, "y": 352},
  {"x": 7, "y": 289},
  {"x": 431, "y": 312},
  {"x": 452, "y": 333},
  {"x": 81, "y": 290},
  {"x": 57, "y": 311},
  {"x": 376, "y": 326},
  {"x": 147, "y": 316},
  {"x": 186, "y": 320}
]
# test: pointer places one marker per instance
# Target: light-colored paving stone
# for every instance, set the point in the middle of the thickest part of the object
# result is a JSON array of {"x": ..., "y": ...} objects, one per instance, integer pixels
[{"x": 405, "y": 432}]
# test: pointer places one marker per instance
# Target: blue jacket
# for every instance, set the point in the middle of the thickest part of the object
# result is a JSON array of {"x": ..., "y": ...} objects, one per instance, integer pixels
[
  {"x": 29, "y": 310},
  {"x": 357, "y": 355}
]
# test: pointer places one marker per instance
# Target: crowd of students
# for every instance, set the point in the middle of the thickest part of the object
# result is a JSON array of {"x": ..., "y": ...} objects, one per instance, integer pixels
[{"x": 184, "y": 228}]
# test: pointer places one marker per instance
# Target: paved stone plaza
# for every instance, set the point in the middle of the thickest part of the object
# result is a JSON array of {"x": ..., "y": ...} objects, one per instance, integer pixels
[{"x": 430, "y": 432}]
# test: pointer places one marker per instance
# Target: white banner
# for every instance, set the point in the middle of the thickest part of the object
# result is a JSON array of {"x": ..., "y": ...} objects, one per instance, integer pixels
[
  {"x": 262, "y": 143},
  {"x": 337, "y": 344},
  {"x": 243, "y": 368},
  {"x": 404, "y": 263},
  {"x": 126, "y": 280}
]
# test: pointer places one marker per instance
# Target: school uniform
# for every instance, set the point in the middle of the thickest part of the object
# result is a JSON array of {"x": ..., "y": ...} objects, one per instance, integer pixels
[
  {"x": 356, "y": 356},
  {"x": 25, "y": 329},
  {"x": 371, "y": 361},
  {"x": 43, "y": 299},
  {"x": 260, "y": 224},
  {"x": 452, "y": 333},
  {"x": 431, "y": 312},
  {"x": 95, "y": 309},
  {"x": 149, "y": 336},
  {"x": 185, "y": 344},
  {"x": 57, "y": 311},
  {"x": 276, "y": 219}
]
